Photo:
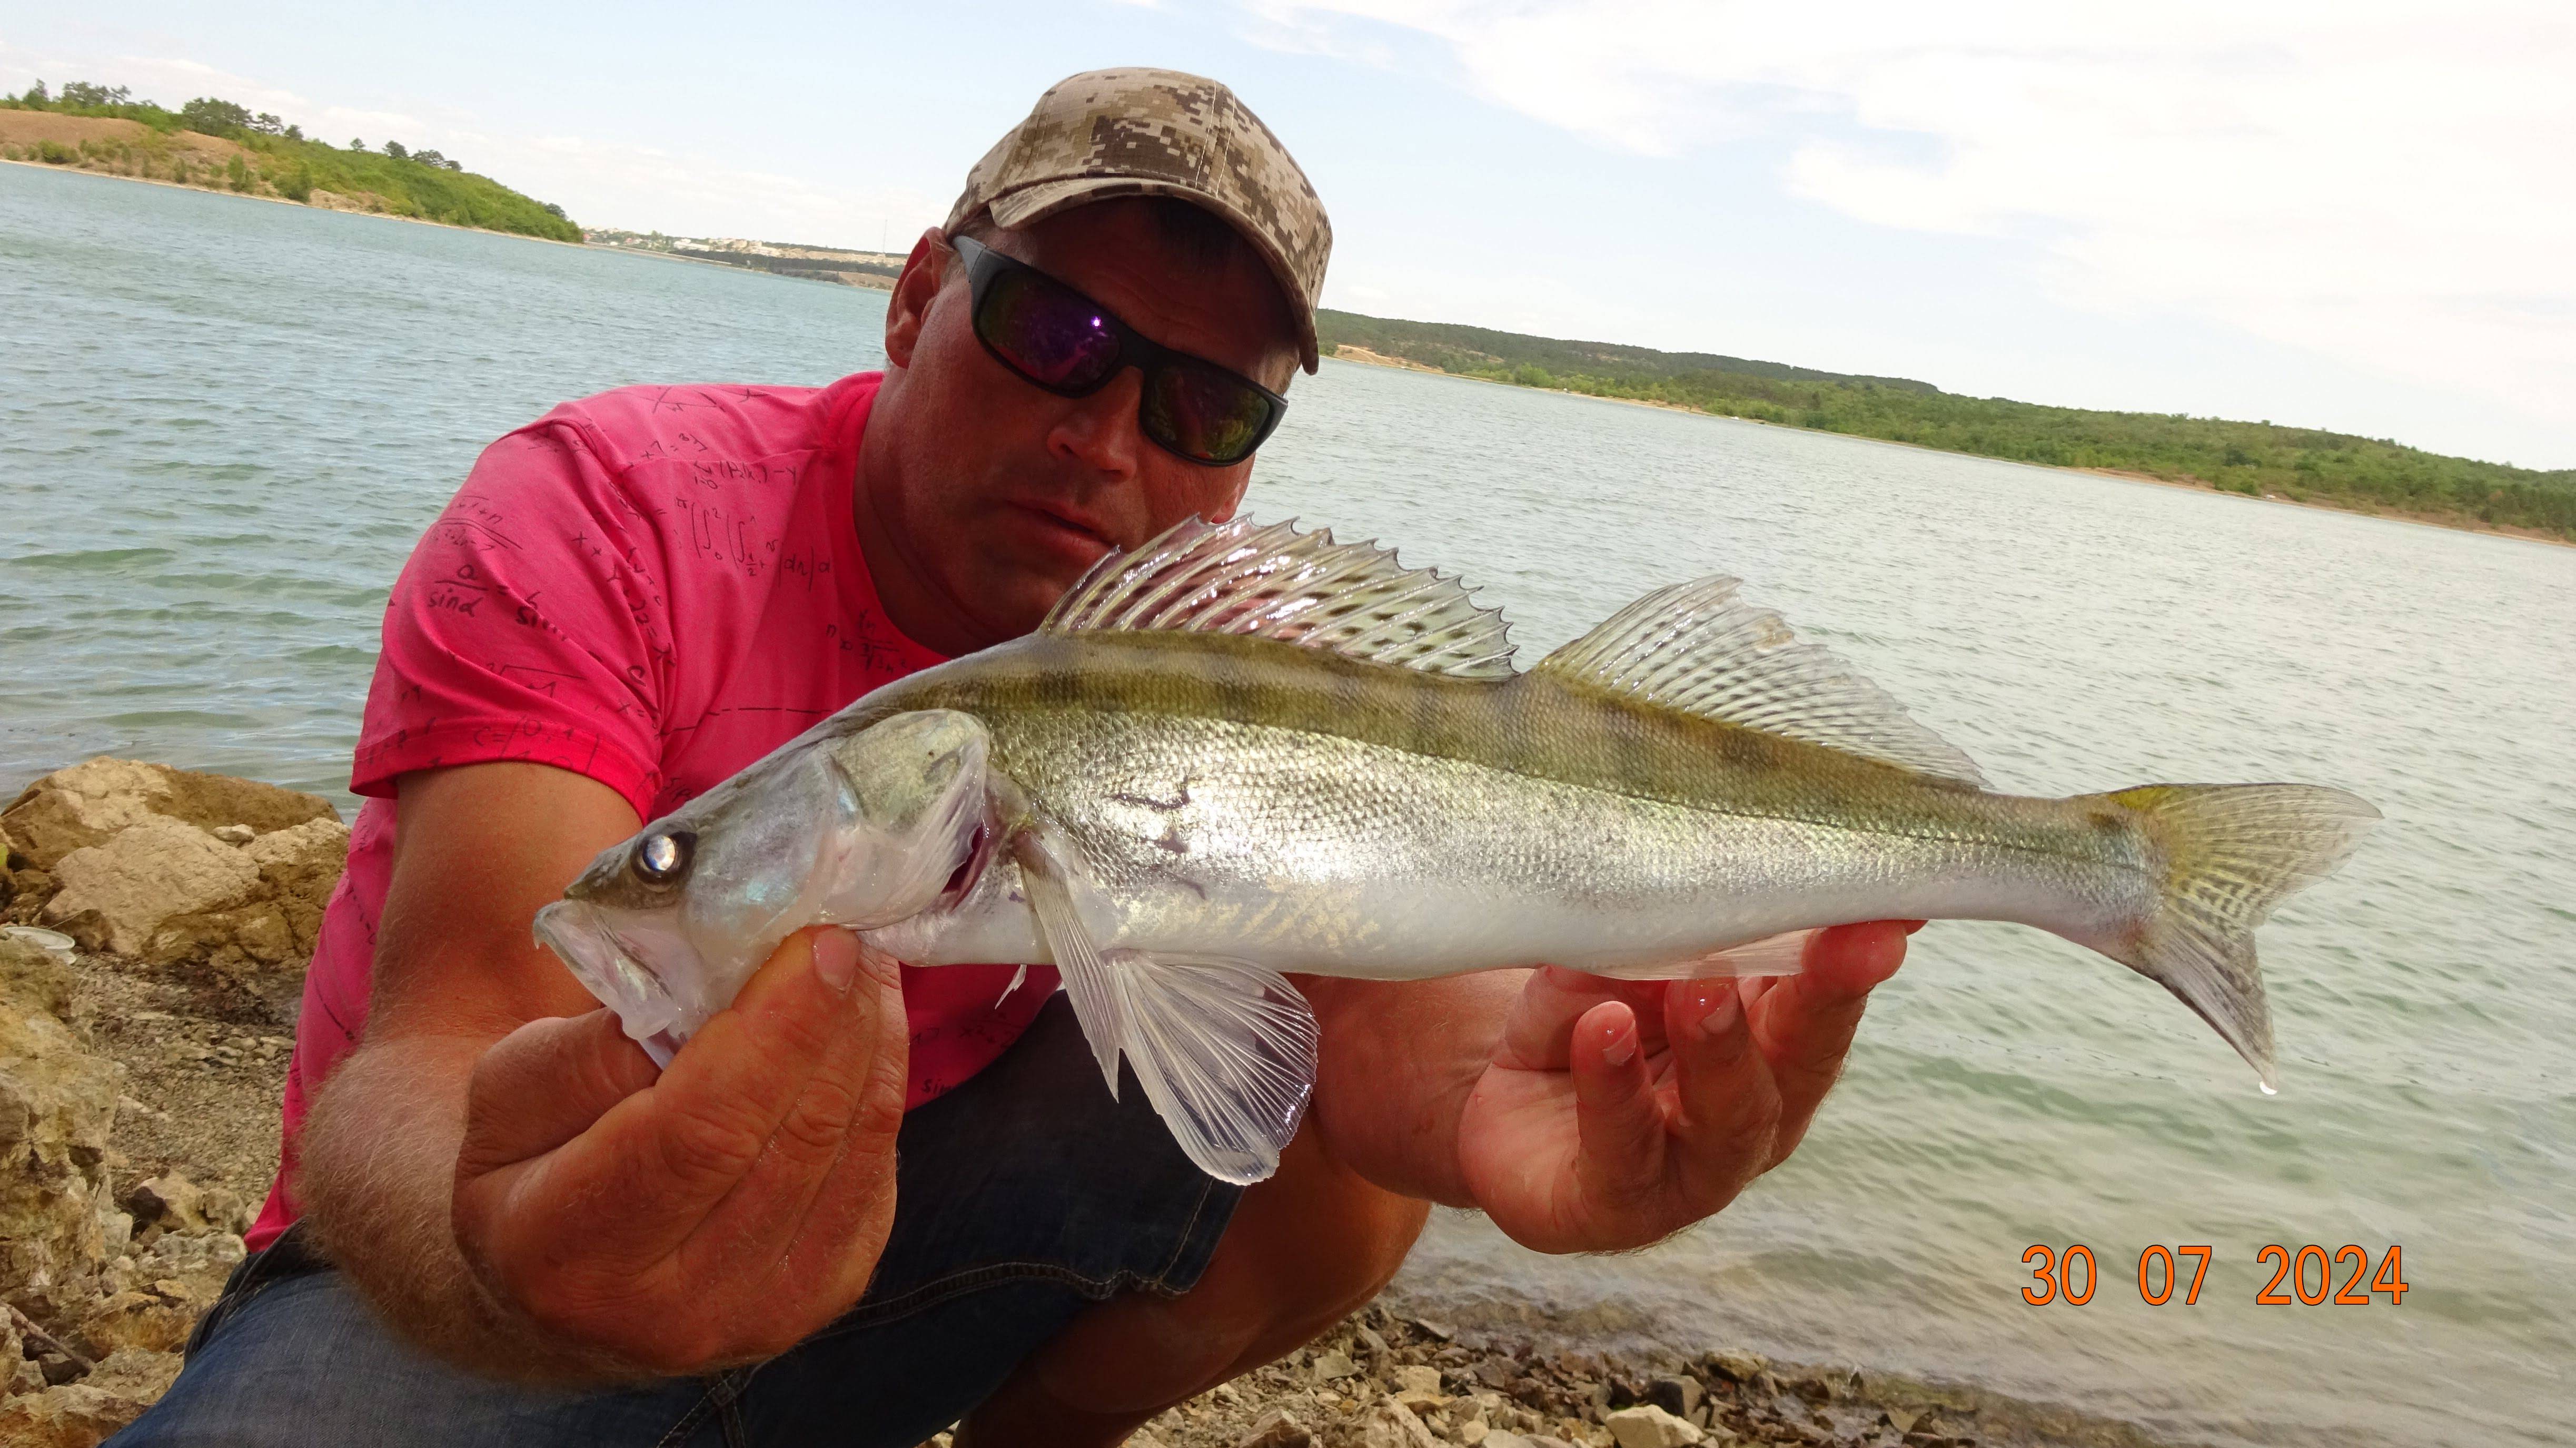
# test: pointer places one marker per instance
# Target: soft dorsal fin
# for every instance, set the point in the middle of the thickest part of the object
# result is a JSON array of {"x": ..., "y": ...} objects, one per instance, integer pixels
[
  {"x": 1700, "y": 648},
  {"x": 1276, "y": 582}
]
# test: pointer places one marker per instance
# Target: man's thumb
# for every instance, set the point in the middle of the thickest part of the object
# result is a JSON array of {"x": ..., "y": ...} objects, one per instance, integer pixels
[{"x": 544, "y": 1084}]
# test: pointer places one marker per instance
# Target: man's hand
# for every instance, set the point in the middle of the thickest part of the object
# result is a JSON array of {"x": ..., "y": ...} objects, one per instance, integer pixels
[
  {"x": 1615, "y": 1113},
  {"x": 1584, "y": 1114},
  {"x": 504, "y": 1176},
  {"x": 715, "y": 1215}
]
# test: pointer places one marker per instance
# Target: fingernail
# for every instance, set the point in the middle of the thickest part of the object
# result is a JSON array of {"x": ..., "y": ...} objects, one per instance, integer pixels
[
  {"x": 836, "y": 960},
  {"x": 1712, "y": 1005},
  {"x": 1622, "y": 1048}
]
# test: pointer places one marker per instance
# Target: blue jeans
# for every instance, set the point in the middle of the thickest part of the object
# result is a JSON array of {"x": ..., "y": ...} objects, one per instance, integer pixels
[{"x": 1021, "y": 1197}]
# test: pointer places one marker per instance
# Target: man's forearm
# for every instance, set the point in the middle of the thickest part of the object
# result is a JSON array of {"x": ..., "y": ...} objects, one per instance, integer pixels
[
  {"x": 377, "y": 1179},
  {"x": 1399, "y": 1059}
]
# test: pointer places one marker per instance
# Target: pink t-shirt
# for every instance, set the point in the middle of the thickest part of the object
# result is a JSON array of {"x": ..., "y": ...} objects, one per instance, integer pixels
[{"x": 652, "y": 587}]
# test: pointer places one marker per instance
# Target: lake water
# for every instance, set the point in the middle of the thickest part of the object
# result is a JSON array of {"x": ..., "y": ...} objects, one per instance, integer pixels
[{"x": 223, "y": 422}]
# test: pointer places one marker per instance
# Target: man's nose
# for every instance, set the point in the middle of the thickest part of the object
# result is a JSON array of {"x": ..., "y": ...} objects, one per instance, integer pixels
[{"x": 1099, "y": 431}]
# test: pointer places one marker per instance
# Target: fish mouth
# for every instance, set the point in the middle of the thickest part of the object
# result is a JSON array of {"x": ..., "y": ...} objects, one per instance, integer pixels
[
  {"x": 979, "y": 853},
  {"x": 581, "y": 937}
]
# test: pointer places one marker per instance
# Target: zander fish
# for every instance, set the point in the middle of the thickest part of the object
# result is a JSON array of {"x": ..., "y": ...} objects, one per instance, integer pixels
[{"x": 1245, "y": 751}]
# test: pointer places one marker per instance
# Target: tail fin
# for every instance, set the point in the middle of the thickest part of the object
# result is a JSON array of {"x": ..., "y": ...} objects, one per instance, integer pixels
[{"x": 2229, "y": 853}]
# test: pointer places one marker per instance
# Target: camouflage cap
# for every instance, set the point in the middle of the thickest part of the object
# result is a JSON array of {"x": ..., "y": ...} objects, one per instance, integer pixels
[{"x": 1138, "y": 132}]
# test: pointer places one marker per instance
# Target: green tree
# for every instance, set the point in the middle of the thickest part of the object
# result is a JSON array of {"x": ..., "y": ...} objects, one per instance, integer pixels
[{"x": 208, "y": 116}]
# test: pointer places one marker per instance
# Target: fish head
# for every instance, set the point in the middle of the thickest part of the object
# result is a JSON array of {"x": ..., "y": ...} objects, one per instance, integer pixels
[{"x": 860, "y": 828}]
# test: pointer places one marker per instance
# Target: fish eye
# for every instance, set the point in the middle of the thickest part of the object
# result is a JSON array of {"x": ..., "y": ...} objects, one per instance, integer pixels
[{"x": 663, "y": 856}]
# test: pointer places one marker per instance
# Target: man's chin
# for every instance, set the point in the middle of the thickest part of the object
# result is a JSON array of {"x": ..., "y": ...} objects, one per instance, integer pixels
[{"x": 1014, "y": 599}]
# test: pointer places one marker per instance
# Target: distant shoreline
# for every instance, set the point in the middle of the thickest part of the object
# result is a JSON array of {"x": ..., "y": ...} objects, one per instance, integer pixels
[
  {"x": 289, "y": 201},
  {"x": 1362, "y": 356}
]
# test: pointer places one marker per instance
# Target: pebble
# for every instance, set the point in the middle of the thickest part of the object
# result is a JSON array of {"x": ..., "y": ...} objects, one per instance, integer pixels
[
  {"x": 1647, "y": 1426},
  {"x": 1332, "y": 1363},
  {"x": 1276, "y": 1428}
]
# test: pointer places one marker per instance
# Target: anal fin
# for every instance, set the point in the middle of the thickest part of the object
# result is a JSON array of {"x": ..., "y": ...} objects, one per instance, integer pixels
[{"x": 1224, "y": 1049}]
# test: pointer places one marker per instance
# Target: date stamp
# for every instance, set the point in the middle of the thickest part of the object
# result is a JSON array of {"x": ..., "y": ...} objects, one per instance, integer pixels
[{"x": 2303, "y": 1276}]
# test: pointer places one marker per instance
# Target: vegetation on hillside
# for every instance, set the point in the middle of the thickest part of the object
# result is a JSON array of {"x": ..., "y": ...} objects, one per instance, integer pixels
[
  {"x": 268, "y": 157},
  {"x": 2253, "y": 458}
]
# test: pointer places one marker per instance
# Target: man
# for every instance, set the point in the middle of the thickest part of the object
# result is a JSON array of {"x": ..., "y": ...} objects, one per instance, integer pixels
[{"x": 864, "y": 1203}]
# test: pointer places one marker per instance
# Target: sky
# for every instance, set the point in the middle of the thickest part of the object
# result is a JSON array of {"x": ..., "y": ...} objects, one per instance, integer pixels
[{"x": 2355, "y": 214}]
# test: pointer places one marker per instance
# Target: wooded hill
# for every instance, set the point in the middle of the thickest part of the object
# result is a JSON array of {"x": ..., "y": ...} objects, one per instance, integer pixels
[
  {"x": 219, "y": 145},
  {"x": 2253, "y": 458}
]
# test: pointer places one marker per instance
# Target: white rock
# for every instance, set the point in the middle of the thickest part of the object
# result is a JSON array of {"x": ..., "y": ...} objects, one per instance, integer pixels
[
  {"x": 1275, "y": 1428},
  {"x": 149, "y": 871},
  {"x": 1647, "y": 1426},
  {"x": 90, "y": 802},
  {"x": 1393, "y": 1425},
  {"x": 1330, "y": 1364}
]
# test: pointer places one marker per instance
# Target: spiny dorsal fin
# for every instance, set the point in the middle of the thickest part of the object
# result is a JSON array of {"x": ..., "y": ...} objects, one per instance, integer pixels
[
  {"x": 1275, "y": 582},
  {"x": 1701, "y": 649}
]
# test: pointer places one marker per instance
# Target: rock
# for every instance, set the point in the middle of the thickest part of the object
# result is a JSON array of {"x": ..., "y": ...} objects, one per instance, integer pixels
[
  {"x": 25, "y": 1377},
  {"x": 1647, "y": 1426},
  {"x": 166, "y": 1203},
  {"x": 115, "y": 894},
  {"x": 226, "y": 1212},
  {"x": 1331, "y": 1364},
  {"x": 1276, "y": 1428},
  {"x": 194, "y": 1266},
  {"x": 1422, "y": 1380},
  {"x": 75, "y": 1416},
  {"x": 1674, "y": 1393},
  {"x": 142, "y": 1376},
  {"x": 29, "y": 889},
  {"x": 157, "y": 1319},
  {"x": 32, "y": 979},
  {"x": 1393, "y": 1425},
  {"x": 1368, "y": 1338},
  {"x": 57, "y": 1102},
  {"x": 299, "y": 866},
  {"x": 1742, "y": 1367},
  {"x": 234, "y": 834},
  {"x": 84, "y": 805}
]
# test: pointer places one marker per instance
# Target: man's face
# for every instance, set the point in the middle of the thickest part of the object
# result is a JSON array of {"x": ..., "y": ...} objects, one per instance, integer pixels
[{"x": 994, "y": 494}]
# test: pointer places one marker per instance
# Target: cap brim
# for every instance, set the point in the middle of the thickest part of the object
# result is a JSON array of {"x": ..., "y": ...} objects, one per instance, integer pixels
[{"x": 1024, "y": 205}]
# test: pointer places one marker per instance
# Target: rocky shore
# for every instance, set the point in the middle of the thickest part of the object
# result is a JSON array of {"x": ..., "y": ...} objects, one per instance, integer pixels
[{"x": 158, "y": 926}]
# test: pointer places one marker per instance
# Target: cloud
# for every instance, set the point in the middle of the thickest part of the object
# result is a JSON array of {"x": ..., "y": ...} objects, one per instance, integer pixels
[
  {"x": 601, "y": 183},
  {"x": 2385, "y": 181}
]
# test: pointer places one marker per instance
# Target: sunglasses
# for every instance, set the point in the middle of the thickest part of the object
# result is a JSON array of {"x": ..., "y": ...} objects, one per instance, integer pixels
[{"x": 1072, "y": 346}]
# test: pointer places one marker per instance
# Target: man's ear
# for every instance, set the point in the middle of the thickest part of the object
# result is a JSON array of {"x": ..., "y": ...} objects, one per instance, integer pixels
[{"x": 908, "y": 310}]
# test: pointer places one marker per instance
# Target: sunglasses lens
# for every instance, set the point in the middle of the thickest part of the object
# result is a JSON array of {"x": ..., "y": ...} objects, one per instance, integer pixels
[
  {"x": 1055, "y": 337},
  {"x": 1202, "y": 413}
]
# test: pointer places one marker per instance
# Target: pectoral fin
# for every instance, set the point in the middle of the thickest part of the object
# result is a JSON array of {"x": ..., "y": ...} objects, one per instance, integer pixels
[{"x": 1224, "y": 1049}]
